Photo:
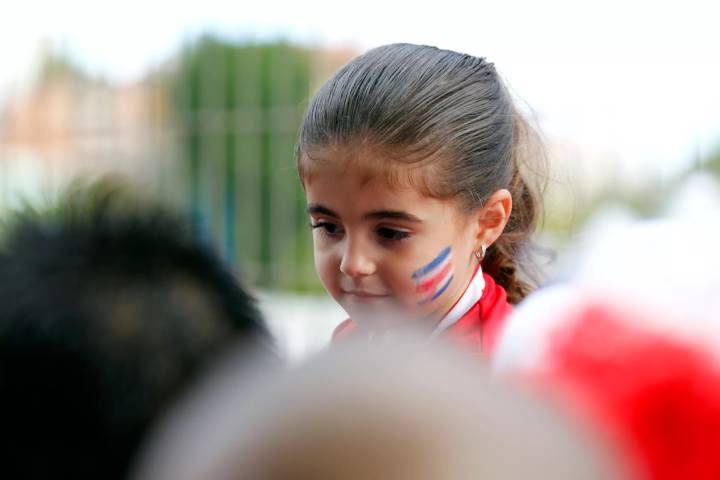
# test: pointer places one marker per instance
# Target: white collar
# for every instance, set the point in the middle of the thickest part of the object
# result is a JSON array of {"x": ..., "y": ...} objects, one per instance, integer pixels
[{"x": 470, "y": 297}]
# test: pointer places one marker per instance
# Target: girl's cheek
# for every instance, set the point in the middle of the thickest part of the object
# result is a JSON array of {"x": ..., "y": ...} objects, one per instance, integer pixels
[
  {"x": 322, "y": 263},
  {"x": 322, "y": 243},
  {"x": 327, "y": 275},
  {"x": 431, "y": 279},
  {"x": 324, "y": 259},
  {"x": 318, "y": 238}
]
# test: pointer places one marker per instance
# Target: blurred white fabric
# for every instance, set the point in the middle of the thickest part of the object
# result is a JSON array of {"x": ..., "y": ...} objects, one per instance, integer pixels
[{"x": 669, "y": 266}]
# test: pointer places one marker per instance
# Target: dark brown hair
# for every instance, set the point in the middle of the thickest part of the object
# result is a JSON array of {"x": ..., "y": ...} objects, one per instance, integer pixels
[
  {"x": 447, "y": 111},
  {"x": 109, "y": 310}
]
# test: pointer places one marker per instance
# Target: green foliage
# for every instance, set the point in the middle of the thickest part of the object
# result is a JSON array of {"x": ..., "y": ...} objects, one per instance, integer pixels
[
  {"x": 713, "y": 164},
  {"x": 568, "y": 210},
  {"x": 57, "y": 65},
  {"x": 238, "y": 107}
]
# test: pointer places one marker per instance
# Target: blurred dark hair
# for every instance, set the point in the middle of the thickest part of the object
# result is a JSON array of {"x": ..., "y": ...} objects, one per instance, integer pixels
[
  {"x": 426, "y": 107},
  {"x": 108, "y": 310}
]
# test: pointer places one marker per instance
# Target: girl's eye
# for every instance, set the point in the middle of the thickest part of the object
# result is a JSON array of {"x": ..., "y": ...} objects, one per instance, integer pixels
[
  {"x": 327, "y": 228},
  {"x": 392, "y": 234}
]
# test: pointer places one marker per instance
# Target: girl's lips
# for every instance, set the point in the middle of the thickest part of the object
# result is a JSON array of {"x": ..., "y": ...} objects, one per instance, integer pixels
[{"x": 361, "y": 296}]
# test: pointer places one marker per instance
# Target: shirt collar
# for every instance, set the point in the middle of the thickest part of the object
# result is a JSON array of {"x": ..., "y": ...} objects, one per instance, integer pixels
[{"x": 473, "y": 292}]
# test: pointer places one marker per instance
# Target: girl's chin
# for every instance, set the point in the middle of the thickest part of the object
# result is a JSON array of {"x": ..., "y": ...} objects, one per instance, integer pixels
[{"x": 385, "y": 317}]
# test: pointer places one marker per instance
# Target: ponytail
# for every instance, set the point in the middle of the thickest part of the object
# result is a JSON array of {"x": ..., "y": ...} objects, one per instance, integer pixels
[{"x": 509, "y": 261}]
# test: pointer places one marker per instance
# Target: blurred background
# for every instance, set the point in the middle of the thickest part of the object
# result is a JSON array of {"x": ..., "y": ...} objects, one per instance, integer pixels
[{"x": 201, "y": 102}]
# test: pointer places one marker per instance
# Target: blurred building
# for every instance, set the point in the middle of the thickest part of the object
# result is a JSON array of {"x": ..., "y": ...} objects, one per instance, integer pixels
[{"x": 69, "y": 124}]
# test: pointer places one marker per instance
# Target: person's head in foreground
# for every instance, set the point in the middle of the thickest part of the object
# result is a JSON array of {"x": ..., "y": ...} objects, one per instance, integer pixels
[
  {"x": 415, "y": 164},
  {"x": 406, "y": 411},
  {"x": 630, "y": 345},
  {"x": 108, "y": 310}
]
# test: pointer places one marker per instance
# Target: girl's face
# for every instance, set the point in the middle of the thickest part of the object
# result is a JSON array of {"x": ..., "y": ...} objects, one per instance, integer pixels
[{"x": 386, "y": 254}]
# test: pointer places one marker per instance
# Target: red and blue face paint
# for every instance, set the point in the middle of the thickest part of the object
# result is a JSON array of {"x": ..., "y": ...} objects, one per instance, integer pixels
[{"x": 434, "y": 278}]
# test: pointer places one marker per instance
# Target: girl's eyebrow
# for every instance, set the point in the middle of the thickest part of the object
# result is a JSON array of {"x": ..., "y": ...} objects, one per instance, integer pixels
[
  {"x": 315, "y": 208},
  {"x": 391, "y": 214}
]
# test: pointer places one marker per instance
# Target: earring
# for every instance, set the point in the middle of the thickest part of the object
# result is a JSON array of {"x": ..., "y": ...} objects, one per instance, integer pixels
[{"x": 481, "y": 254}]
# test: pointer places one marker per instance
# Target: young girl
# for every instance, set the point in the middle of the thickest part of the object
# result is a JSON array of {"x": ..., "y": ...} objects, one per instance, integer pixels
[{"x": 411, "y": 157}]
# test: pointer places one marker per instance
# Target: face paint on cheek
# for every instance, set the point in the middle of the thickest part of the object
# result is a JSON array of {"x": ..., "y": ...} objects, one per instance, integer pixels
[{"x": 434, "y": 278}]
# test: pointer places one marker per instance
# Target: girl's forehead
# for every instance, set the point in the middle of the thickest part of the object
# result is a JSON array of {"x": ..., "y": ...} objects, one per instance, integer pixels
[
  {"x": 364, "y": 185},
  {"x": 369, "y": 166}
]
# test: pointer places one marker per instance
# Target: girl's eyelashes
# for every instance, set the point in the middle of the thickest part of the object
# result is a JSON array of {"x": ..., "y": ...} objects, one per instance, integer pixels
[
  {"x": 391, "y": 234},
  {"x": 327, "y": 228},
  {"x": 385, "y": 234}
]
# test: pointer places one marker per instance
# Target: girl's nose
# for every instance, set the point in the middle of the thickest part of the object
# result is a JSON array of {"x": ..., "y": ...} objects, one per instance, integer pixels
[{"x": 356, "y": 262}]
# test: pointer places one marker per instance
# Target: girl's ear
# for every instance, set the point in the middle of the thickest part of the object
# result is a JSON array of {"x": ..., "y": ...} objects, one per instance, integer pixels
[{"x": 493, "y": 217}]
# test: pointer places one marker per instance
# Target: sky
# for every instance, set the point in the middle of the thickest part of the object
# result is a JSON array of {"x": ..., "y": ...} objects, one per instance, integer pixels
[{"x": 633, "y": 83}]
